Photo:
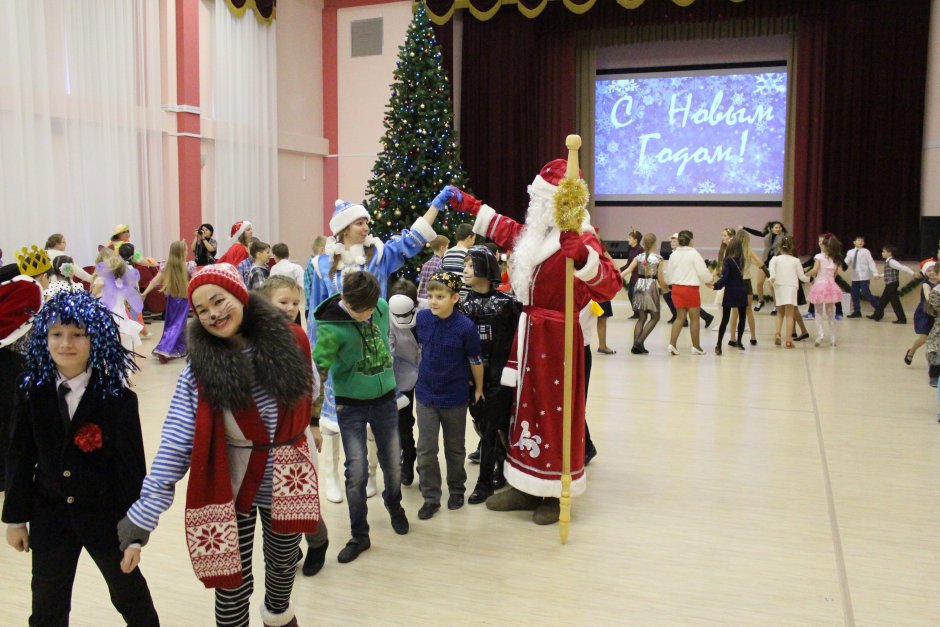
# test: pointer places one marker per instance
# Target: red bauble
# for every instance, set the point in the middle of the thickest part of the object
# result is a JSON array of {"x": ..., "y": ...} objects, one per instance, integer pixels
[{"x": 383, "y": 203}]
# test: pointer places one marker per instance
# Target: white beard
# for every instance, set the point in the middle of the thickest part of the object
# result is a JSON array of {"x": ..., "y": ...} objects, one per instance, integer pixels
[{"x": 530, "y": 247}]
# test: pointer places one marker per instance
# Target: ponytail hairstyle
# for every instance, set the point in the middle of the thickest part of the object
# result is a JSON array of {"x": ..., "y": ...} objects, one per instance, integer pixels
[{"x": 787, "y": 247}]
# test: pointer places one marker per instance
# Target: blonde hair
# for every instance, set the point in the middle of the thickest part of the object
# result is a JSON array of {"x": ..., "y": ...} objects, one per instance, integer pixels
[
  {"x": 175, "y": 273},
  {"x": 113, "y": 260},
  {"x": 746, "y": 253},
  {"x": 319, "y": 243}
]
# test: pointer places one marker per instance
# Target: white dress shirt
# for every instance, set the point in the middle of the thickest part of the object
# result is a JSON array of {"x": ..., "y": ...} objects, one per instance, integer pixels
[
  {"x": 286, "y": 267},
  {"x": 77, "y": 387},
  {"x": 860, "y": 261}
]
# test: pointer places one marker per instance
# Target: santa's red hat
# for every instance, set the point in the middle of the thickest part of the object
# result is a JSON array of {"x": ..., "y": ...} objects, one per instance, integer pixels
[
  {"x": 547, "y": 180},
  {"x": 240, "y": 227},
  {"x": 20, "y": 299}
]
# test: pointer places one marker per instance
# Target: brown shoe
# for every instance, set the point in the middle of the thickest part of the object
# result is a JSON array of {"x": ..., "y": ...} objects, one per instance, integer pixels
[
  {"x": 547, "y": 512},
  {"x": 512, "y": 500}
]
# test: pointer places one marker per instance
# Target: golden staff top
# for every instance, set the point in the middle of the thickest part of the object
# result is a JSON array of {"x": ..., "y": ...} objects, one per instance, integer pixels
[{"x": 572, "y": 196}]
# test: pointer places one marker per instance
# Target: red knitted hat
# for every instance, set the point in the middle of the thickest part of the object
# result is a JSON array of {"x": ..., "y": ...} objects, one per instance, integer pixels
[{"x": 225, "y": 276}]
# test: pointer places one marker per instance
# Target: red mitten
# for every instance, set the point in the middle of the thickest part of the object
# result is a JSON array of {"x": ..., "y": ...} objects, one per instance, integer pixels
[
  {"x": 573, "y": 248},
  {"x": 463, "y": 201}
]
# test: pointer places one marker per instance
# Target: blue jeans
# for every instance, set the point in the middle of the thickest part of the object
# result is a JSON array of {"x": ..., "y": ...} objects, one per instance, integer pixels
[
  {"x": 383, "y": 417},
  {"x": 860, "y": 288}
]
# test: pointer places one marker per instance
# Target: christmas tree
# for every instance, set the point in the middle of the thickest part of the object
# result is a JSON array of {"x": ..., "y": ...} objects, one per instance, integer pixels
[{"x": 419, "y": 149}]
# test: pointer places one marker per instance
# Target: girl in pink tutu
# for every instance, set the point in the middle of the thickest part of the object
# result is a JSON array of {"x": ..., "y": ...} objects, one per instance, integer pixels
[{"x": 825, "y": 293}]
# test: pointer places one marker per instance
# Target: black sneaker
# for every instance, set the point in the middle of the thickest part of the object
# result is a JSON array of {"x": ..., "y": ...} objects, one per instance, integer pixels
[
  {"x": 399, "y": 521},
  {"x": 854, "y": 315},
  {"x": 315, "y": 560},
  {"x": 455, "y": 501},
  {"x": 474, "y": 457},
  {"x": 498, "y": 481},
  {"x": 427, "y": 510},
  {"x": 353, "y": 548}
]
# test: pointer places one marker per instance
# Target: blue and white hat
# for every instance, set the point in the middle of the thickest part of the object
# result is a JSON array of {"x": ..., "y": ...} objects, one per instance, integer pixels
[{"x": 345, "y": 214}]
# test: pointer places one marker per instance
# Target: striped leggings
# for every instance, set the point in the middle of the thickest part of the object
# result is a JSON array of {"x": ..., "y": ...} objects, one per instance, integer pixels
[{"x": 280, "y": 560}]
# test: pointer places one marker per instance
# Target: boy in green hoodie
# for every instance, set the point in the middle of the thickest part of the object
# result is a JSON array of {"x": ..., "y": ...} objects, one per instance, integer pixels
[{"x": 352, "y": 344}]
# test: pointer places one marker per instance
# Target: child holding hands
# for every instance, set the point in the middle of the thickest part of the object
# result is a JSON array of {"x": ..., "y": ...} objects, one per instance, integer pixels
[
  {"x": 786, "y": 274},
  {"x": 76, "y": 460}
]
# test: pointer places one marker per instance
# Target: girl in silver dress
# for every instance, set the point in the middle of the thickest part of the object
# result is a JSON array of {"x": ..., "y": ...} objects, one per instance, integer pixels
[{"x": 646, "y": 292}]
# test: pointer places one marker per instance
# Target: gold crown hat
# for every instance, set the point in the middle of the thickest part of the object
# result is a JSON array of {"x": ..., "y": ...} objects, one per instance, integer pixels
[{"x": 33, "y": 262}]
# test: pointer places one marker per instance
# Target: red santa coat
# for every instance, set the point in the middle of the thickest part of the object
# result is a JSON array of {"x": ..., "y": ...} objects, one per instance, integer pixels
[{"x": 533, "y": 463}]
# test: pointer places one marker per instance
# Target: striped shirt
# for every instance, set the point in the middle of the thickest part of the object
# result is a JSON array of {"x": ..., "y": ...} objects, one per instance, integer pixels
[
  {"x": 453, "y": 259},
  {"x": 176, "y": 447}
]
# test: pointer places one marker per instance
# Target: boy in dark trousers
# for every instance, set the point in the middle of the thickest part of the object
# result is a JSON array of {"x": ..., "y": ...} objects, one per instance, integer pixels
[
  {"x": 76, "y": 460},
  {"x": 450, "y": 354},
  {"x": 496, "y": 316},
  {"x": 892, "y": 273},
  {"x": 352, "y": 344}
]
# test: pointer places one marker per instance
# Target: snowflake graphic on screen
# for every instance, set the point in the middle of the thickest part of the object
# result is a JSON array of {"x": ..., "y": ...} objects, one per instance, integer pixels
[
  {"x": 601, "y": 159},
  {"x": 706, "y": 187},
  {"x": 646, "y": 167},
  {"x": 737, "y": 99},
  {"x": 630, "y": 86},
  {"x": 622, "y": 164},
  {"x": 603, "y": 124},
  {"x": 648, "y": 99},
  {"x": 677, "y": 81},
  {"x": 770, "y": 84},
  {"x": 761, "y": 126},
  {"x": 771, "y": 186},
  {"x": 613, "y": 147}
]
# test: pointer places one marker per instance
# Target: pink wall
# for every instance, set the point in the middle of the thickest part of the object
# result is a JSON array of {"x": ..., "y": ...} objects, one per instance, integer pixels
[
  {"x": 706, "y": 222},
  {"x": 301, "y": 145},
  {"x": 363, "y": 92}
]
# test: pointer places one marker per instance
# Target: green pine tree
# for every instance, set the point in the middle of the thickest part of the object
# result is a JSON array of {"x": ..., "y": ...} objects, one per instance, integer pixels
[{"x": 420, "y": 153}]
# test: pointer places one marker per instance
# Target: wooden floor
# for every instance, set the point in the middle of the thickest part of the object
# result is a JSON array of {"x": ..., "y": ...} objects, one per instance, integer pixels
[{"x": 769, "y": 487}]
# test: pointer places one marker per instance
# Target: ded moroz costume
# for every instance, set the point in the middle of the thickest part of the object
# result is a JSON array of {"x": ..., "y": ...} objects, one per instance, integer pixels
[{"x": 536, "y": 365}]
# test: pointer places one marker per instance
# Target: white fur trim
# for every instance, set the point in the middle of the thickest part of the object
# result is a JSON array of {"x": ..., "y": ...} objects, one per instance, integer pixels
[
  {"x": 589, "y": 272},
  {"x": 509, "y": 377},
  {"x": 484, "y": 218},
  {"x": 542, "y": 188},
  {"x": 347, "y": 216},
  {"x": 423, "y": 228},
  {"x": 279, "y": 620},
  {"x": 541, "y": 487}
]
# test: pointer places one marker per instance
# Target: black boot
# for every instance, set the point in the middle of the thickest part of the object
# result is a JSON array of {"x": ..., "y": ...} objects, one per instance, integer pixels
[{"x": 315, "y": 559}]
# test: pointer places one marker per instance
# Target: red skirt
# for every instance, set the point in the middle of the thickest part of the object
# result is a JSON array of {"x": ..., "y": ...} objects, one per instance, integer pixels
[{"x": 686, "y": 296}]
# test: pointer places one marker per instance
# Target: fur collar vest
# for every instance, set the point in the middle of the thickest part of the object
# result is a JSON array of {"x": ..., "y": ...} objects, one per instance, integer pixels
[{"x": 226, "y": 374}]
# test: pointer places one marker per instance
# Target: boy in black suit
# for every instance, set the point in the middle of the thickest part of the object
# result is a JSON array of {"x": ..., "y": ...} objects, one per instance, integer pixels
[{"x": 76, "y": 459}]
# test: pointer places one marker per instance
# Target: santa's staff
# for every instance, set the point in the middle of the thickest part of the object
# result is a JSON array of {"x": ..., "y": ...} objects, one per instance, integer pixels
[{"x": 570, "y": 203}]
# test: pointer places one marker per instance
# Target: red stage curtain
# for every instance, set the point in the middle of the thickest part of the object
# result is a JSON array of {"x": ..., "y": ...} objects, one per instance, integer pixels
[
  {"x": 860, "y": 104},
  {"x": 873, "y": 121},
  {"x": 517, "y": 106}
]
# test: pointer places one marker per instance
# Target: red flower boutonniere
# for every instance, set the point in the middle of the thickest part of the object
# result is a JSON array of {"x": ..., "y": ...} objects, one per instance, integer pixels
[{"x": 88, "y": 437}]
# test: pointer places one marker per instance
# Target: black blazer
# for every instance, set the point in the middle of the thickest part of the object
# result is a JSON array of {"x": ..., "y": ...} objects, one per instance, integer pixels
[
  {"x": 54, "y": 485},
  {"x": 733, "y": 284}
]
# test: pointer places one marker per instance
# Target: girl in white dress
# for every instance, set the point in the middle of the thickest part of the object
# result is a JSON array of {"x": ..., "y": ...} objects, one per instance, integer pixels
[{"x": 786, "y": 274}]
